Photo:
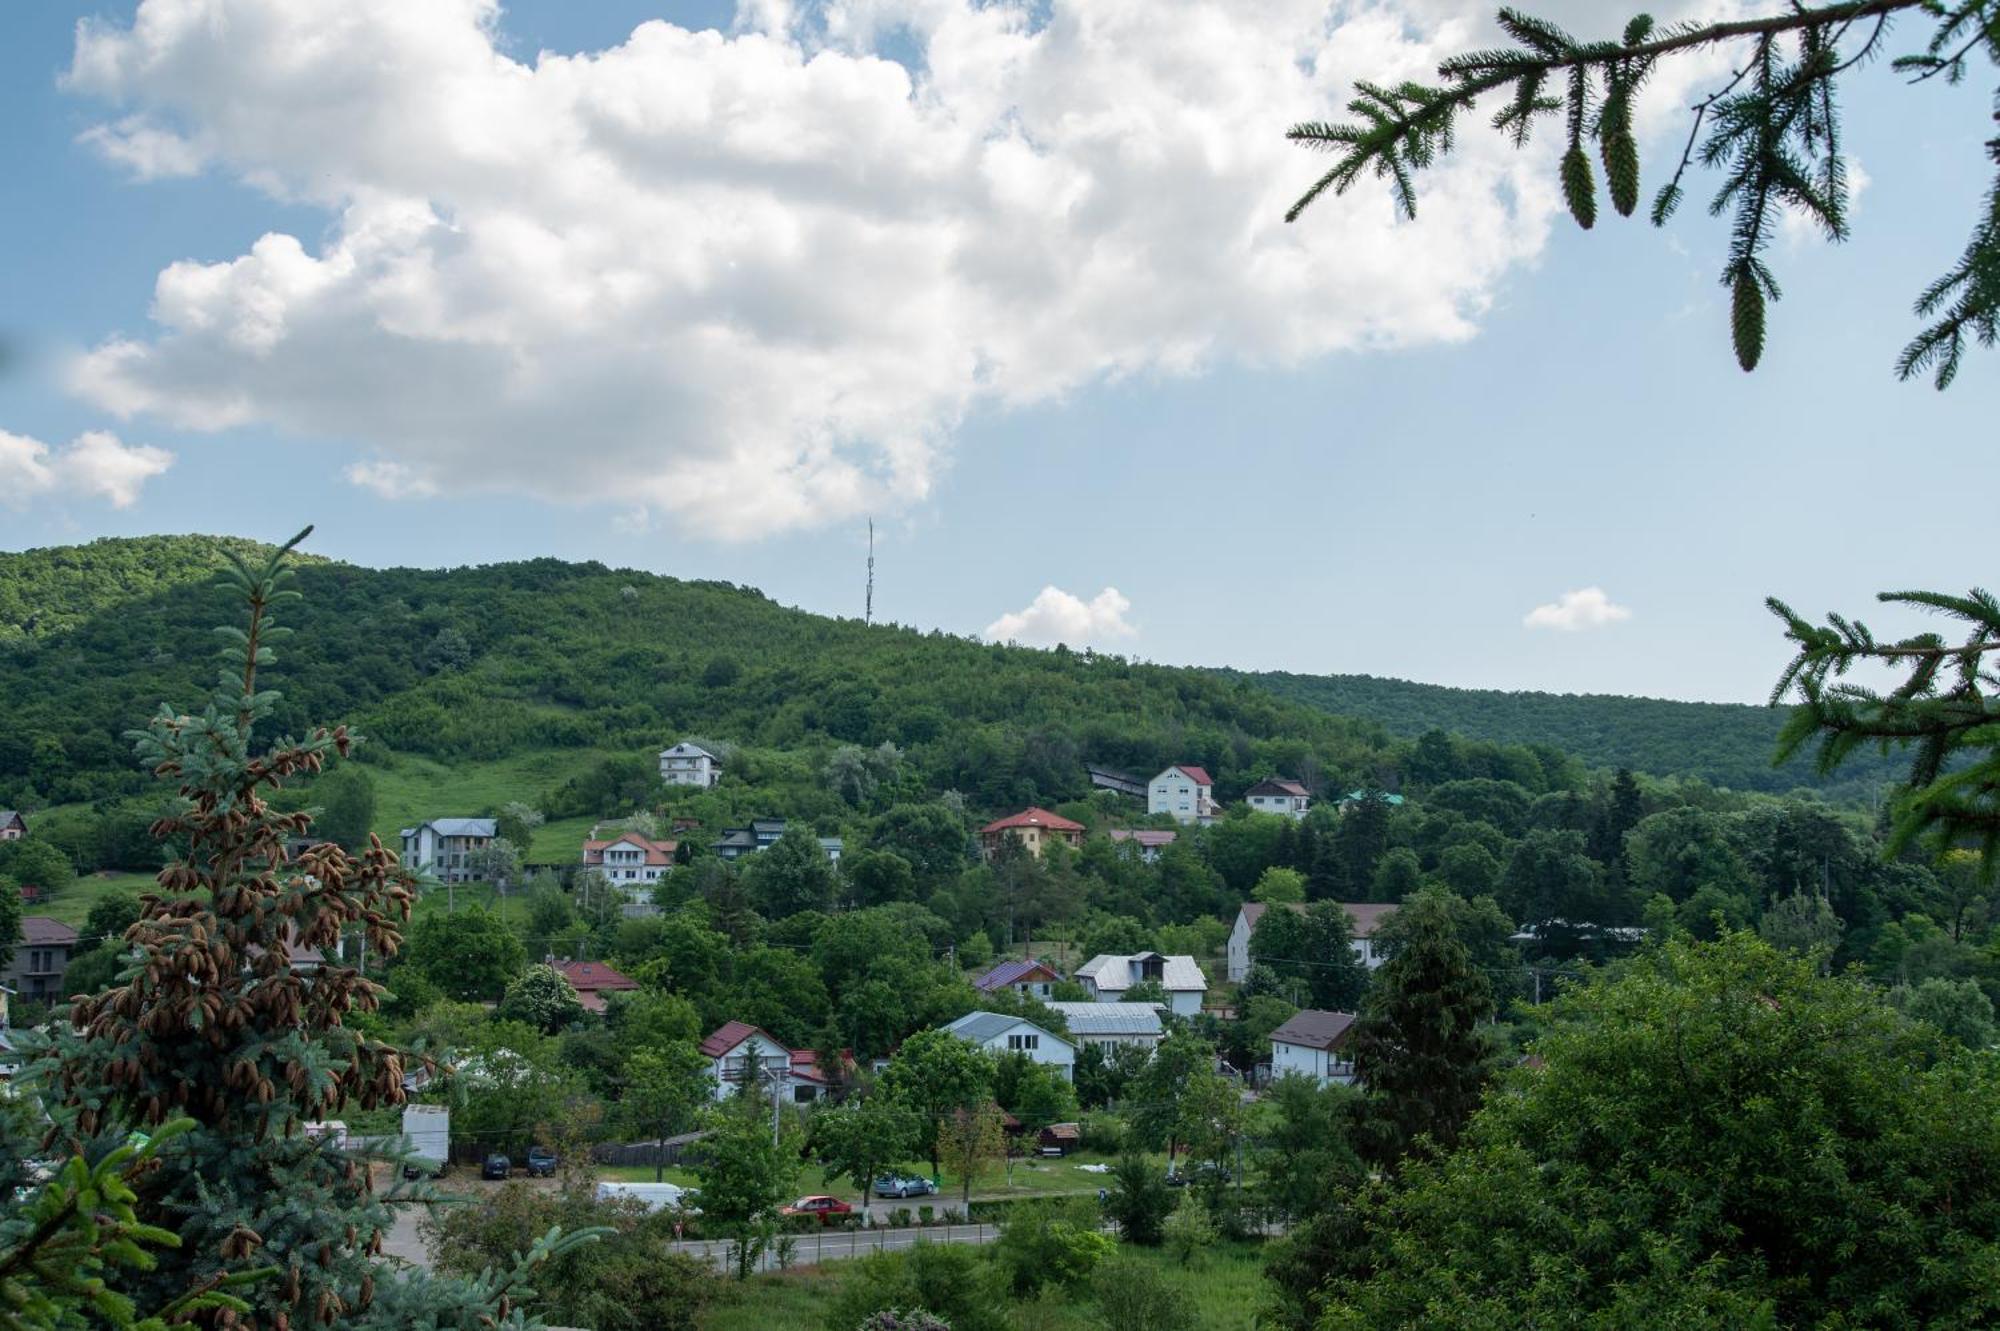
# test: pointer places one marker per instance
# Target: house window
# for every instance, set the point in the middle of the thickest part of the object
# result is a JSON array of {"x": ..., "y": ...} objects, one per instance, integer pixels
[{"x": 1023, "y": 1042}]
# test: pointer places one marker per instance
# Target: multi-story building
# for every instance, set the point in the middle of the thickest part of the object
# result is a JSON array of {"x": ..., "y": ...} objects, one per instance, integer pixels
[
  {"x": 1033, "y": 828},
  {"x": 1280, "y": 795},
  {"x": 688, "y": 764},
  {"x": 443, "y": 847},
  {"x": 1184, "y": 793}
]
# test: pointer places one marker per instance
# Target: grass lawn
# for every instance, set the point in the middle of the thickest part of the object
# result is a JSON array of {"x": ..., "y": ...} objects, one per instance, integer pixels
[
  {"x": 413, "y": 788},
  {"x": 1224, "y": 1286},
  {"x": 76, "y": 900}
]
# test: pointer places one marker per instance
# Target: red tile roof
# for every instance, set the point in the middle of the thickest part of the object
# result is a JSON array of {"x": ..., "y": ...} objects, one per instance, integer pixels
[
  {"x": 1367, "y": 916},
  {"x": 589, "y": 977},
  {"x": 1042, "y": 818},
  {"x": 1199, "y": 775},
  {"x": 728, "y": 1035},
  {"x": 657, "y": 852}
]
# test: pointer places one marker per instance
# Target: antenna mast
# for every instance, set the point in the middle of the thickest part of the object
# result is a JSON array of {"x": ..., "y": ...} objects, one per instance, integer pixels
[{"x": 868, "y": 611}]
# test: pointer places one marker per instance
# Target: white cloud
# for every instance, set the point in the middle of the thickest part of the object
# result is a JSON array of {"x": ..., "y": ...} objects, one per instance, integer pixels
[
  {"x": 393, "y": 480},
  {"x": 763, "y": 276},
  {"x": 1058, "y": 616},
  {"x": 1586, "y": 608},
  {"x": 93, "y": 465}
]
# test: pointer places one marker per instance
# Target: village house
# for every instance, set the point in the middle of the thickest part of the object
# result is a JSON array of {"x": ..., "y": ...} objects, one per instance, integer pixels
[
  {"x": 1035, "y": 979},
  {"x": 688, "y": 764},
  {"x": 1033, "y": 828},
  {"x": 1363, "y": 918},
  {"x": 1106, "y": 977},
  {"x": 1149, "y": 841},
  {"x": 1279, "y": 795},
  {"x": 40, "y": 958},
  {"x": 443, "y": 847},
  {"x": 592, "y": 980},
  {"x": 1185, "y": 793},
  {"x": 1313, "y": 1043},
  {"x": 1112, "y": 1024},
  {"x": 1002, "y": 1034},
  {"x": 629, "y": 860},
  {"x": 762, "y": 834},
  {"x": 12, "y": 825},
  {"x": 739, "y": 1053}
]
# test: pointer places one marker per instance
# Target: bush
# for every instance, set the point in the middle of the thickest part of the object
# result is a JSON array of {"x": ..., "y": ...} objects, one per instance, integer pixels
[
  {"x": 1132, "y": 1295},
  {"x": 1189, "y": 1230},
  {"x": 1104, "y": 1133},
  {"x": 1053, "y": 1242},
  {"x": 955, "y": 1282},
  {"x": 1140, "y": 1201},
  {"x": 891, "y": 1320}
]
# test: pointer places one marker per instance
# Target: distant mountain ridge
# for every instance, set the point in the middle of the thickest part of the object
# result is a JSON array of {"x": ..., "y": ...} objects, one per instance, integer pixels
[{"x": 1725, "y": 744}]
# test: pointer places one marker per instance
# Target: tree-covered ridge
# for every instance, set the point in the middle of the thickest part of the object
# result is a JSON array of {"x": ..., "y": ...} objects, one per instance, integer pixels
[
  {"x": 477, "y": 663},
  {"x": 51, "y": 590},
  {"x": 1726, "y": 744}
]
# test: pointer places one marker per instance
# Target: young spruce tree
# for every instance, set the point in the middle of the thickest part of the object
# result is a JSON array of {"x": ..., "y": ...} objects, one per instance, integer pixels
[{"x": 210, "y": 1022}]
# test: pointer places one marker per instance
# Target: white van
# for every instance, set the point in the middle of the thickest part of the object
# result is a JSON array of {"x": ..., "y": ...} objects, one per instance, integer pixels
[{"x": 653, "y": 1196}]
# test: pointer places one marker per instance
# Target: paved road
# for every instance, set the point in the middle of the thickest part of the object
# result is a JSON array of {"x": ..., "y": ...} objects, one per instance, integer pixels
[
  {"x": 812, "y": 1249},
  {"x": 839, "y": 1244}
]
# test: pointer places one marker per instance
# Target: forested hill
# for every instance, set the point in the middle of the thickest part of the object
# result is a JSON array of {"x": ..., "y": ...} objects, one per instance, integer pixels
[
  {"x": 473, "y": 665},
  {"x": 1726, "y": 744}
]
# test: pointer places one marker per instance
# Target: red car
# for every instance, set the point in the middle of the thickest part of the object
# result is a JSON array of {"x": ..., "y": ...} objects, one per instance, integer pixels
[{"x": 828, "y": 1209}]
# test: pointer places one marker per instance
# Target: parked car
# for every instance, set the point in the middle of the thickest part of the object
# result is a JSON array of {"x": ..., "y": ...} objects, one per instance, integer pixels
[
  {"x": 828, "y": 1209},
  {"x": 1206, "y": 1171},
  {"x": 652, "y": 1196},
  {"x": 421, "y": 1168},
  {"x": 904, "y": 1185},
  {"x": 542, "y": 1162},
  {"x": 495, "y": 1166}
]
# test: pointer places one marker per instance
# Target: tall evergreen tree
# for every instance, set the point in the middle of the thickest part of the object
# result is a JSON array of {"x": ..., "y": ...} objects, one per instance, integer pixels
[
  {"x": 1418, "y": 1047},
  {"x": 212, "y": 1023}
]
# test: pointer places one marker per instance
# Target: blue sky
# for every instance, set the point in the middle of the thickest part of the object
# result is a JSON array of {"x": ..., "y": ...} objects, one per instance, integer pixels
[{"x": 1320, "y": 486}]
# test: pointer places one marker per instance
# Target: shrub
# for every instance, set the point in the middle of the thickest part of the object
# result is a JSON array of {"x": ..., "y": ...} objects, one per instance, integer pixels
[
  {"x": 1103, "y": 1132},
  {"x": 955, "y": 1282},
  {"x": 1139, "y": 1201},
  {"x": 1055, "y": 1242},
  {"x": 1189, "y": 1230},
  {"x": 889, "y": 1319},
  {"x": 1132, "y": 1295}
]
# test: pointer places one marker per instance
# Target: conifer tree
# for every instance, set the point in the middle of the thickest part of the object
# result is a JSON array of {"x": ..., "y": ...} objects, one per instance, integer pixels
[
  {"x": 1417, "y": 1047},
  {"x": 1774, "y": 131},
  {"x": 1946, "y": 713},
  {"x": 211, "y": 1022}
]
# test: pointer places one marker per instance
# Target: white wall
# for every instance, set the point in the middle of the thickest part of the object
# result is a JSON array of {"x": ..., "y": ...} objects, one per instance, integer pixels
[
  {"x": 1239, "y": 949},
  {"x": 1321, "y": 1065}
]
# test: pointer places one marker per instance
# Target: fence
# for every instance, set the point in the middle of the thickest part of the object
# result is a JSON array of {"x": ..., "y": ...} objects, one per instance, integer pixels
[{"x": 672, "y": 1151}]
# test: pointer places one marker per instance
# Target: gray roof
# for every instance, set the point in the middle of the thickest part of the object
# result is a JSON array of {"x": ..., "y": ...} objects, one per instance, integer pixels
[
  {"x": 1109, "y": 1018},
  {"x": 686, "y": 750},
  {"x": 8, "y": 818},
  {"x": 41, "y": 931},
  {"x": 980, "y": 1027},
  {"x": 464, "y": 826},
  {"x": 1113, "y": 974},
  {"x": 1314, "y": 1028}
]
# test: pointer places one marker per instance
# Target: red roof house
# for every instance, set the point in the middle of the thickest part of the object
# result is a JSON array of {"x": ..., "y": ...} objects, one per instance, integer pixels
[
  {"x": 1033, "y": 828},
  {"x": 592, "y": 980}
]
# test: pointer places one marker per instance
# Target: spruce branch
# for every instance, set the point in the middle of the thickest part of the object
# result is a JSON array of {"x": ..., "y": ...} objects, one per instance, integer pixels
[{"x": 1776, "y": 141}]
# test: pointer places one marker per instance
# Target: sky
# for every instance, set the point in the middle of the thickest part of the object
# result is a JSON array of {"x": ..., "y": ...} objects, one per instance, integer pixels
[{"x": 701, "y": 288}]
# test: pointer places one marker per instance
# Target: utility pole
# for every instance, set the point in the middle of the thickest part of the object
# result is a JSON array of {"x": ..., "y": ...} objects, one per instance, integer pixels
[{"x": 868, "y": 606}]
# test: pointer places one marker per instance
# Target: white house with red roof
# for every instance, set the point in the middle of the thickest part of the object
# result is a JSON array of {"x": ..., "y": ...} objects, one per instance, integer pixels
[
  {"x": 630, "y": 860},
  {"x": 1280, "y": 795},
  {"x": 1183, "y": 792},
  {"x": 740, "y": 1053},
  {"x": 1033, "y": 828},
  {"x": 1150, "y": 841},
  {"x": 592, "y": 980}
]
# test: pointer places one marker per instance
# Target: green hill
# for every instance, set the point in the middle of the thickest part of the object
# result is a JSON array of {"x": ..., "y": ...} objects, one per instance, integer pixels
[
  {"x": 484, "y": 680},
  {"x": 1726, "y": 744}
]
